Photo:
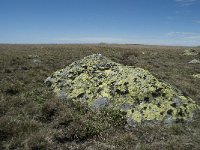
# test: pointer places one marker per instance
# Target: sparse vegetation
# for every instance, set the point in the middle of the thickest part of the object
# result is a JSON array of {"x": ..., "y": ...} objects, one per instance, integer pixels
[{"x": 32, "y": 117}]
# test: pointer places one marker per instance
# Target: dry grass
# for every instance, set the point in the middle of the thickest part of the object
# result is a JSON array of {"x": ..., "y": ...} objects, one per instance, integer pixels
[{"x": 31, "y": 117}]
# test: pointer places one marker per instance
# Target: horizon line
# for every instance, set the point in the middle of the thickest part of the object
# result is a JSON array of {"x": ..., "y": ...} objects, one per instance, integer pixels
[{"x": 99, "y": 43}]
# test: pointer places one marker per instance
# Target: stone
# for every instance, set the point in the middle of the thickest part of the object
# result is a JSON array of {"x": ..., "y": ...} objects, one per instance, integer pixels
[
  {"x": 100, "y": 103},
  {"x": 49, "y": 81},
  {"x": 177, "y": 102},
  {"x": 125, "y": 106},
  {"x": 190, "y": 52},
  {"x": 102, "y": 83},
  {"x": 37, "y": 61},
  {"x": 194, "y": 61},
  {"x": 196, "y": 76}
]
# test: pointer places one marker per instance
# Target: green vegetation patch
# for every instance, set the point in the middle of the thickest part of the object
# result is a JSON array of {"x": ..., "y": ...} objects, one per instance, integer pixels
[{"x": 102, "y": 83}]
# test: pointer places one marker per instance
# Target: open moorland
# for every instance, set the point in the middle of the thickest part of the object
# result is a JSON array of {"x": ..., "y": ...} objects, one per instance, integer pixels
[{"x": 33, "y": 118}]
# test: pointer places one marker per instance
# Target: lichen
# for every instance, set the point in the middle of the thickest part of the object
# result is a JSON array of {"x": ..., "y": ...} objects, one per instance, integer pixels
[{"x": 98, "y": 81}]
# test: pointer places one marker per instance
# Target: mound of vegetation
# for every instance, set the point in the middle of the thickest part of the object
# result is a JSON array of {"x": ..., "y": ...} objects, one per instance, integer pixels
[{"x": 102, "y": 83}]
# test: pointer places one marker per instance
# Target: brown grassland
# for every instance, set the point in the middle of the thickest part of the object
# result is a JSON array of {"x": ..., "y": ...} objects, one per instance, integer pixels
[{"x": 32, "y": 118}]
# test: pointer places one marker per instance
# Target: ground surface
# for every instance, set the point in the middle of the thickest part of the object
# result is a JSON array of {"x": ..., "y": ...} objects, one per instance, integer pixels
[{"x": 31, "y": 117}]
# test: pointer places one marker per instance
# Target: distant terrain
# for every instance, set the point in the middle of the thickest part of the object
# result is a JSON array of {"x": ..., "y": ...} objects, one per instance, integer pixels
[{"x": 32, "y": 117}]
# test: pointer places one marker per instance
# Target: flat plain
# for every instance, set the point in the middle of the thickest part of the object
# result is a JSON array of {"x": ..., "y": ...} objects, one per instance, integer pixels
[{"x": 32, "y": 117}]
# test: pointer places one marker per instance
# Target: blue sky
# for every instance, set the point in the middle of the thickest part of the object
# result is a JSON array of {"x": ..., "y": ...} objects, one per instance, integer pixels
[{"x": 165, "y": 22}]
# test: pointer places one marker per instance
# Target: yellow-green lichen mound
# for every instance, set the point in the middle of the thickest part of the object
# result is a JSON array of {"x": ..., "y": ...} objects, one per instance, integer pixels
[{"x": 100, "y": 82}]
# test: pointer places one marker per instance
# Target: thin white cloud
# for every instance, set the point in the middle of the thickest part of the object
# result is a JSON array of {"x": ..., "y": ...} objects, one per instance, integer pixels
[
  {"x": 196, "y": 21},
  {"x": 185, "y": 35},
  {"x": 185, "y": 2}
]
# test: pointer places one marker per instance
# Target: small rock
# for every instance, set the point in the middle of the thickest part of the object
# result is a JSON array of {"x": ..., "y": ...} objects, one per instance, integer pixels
[
  {"x": 190, "y": 52},
  {"x": 131, "y": 123},
  {"x": 177, "y": 102},
  {"x": 125, "y": 106},
  {"x": 169, "y": 120},
  {"x": 32, "y": 56},
  {"x": 196, "y": 76},
  {"x": 63, "y": 95},
  {"x": 49, "y": 81},
  {"x": 37, "y": 61},
  {"x": 194, "y": 61},
  {"x": 101, "y": 102}
]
